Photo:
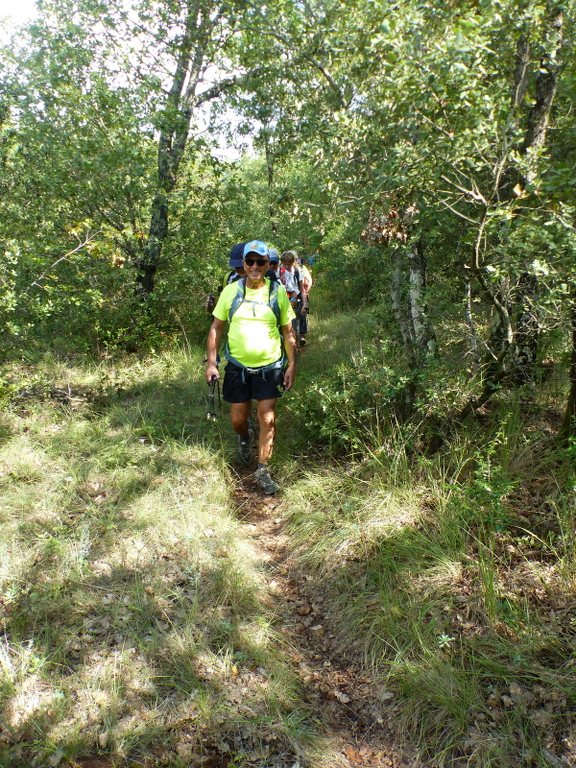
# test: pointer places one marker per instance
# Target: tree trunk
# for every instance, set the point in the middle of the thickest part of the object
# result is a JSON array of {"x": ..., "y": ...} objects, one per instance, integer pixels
[
  {"x": 522, "y": 306},
  {"x": 469, "y": 316},
  {"x": 527, "y": 330},
  {"x": 408, "y": 395},
  {"x": 502, "y": 335},
  {"x": 568, "y": 429},
  {"x": 153, "y": 248},
  {"x": 399, "y": 306},
  {"x": 171, "y": 145},
  {"x": 424, "y": 336},
  {"x": 527, "y": 334},
  {"x": 174, "y": 129},
  {"x": 521, "y": 72},
  {"x": 202, "y": 19},
  {"x": 504, "y": 338},
  {"x": 546, "y": 81}
]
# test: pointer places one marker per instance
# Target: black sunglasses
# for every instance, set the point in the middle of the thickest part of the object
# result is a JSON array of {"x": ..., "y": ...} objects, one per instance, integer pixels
[{"x": 260, "y": 262}]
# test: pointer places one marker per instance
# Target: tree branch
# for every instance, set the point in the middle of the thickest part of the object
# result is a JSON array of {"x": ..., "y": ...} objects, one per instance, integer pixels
[{"x": 89, "y": 238}]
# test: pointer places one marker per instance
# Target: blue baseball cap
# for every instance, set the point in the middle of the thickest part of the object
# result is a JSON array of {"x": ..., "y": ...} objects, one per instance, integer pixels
[
  {"x": 256, "y": 246},
  {"x": 236, "y": 259},
  {"x": 274, "y": 255}
]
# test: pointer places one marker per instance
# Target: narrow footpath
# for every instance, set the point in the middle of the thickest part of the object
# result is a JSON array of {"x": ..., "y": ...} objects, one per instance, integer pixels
[{"x": 355, "y": 720}]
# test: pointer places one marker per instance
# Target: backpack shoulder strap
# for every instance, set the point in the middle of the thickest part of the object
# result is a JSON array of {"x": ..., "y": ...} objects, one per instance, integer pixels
[
  {"x": 241, "y": 295},
  {"x": 238, "y": 298},
  {"x": 274, "y": 306},
  {"x": 298, "y": 277},
  {"x": 273, "y": 299}
]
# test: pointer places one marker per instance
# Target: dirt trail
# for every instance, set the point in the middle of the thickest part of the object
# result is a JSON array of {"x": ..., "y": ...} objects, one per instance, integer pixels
[{"x": 355, "y": 717}]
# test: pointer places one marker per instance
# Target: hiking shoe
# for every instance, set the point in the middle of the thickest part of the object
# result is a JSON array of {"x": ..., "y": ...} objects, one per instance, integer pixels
[
  {"x": 245, "y": 449},
  {"x": 263, "y": 479}
]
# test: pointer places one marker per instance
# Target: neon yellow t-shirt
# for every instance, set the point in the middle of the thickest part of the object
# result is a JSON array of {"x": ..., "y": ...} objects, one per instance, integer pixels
[{"x": 254, "y": 338}]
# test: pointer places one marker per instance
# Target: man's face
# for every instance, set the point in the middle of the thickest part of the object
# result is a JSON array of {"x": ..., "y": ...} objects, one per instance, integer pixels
[{"x": 255, "y": 265}]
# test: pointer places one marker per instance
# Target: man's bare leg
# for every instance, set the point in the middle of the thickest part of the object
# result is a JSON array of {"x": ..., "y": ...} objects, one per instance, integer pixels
[
  {"x": 267, "y": 420},
  {"x": 239, "y": 414}
]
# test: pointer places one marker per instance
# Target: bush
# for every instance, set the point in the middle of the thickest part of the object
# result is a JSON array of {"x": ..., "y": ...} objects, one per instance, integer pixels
[{"x": 353, "y": 404}]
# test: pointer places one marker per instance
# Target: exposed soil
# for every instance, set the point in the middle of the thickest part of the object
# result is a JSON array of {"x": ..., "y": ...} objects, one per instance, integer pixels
[{"x": 355, "y": 717}]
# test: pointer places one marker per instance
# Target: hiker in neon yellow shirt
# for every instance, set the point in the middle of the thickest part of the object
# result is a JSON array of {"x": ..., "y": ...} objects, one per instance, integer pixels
[{"x": 260, "y": 343}]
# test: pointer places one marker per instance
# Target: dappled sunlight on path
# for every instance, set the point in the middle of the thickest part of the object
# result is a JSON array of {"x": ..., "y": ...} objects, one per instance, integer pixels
[{"x": 352, "y": 718}]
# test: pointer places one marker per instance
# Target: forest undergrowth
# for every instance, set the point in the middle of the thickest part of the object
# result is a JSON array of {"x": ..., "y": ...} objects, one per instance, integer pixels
[{"x": 135, "y": 624}]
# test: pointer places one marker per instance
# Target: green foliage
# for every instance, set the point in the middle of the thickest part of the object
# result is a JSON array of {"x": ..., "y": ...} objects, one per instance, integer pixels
[
  {"x": 484, "y": 503},
  {"x": 352, "y": 403},
  {"x": 73, "y": 144},
  {"x": 418, "y": 105},
  {"x": 428, "y": 565}
]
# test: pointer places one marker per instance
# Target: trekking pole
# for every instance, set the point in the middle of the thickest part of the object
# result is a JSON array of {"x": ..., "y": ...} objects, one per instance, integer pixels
[{"x": 213, "y": 388}]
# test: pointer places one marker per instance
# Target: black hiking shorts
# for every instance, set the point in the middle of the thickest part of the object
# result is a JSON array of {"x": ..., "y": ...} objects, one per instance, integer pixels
[{"x": 241, "y": 386}]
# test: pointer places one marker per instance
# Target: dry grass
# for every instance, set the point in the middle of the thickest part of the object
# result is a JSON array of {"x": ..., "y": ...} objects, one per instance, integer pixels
[
  {"x": 454, "y": 580},
  {"x": 133, "y": 624}
]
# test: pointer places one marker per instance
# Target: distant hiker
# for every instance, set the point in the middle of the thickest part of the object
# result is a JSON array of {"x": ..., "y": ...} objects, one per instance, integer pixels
[
  {"x": 260, "y": 342},
  {"x": 236, "y": 264},
  {"x": 305, "y": 275},
  {"x": 306, "y": 282},
  {"x": 290, "y": 278},
  {"x": 274, "y": 272}
]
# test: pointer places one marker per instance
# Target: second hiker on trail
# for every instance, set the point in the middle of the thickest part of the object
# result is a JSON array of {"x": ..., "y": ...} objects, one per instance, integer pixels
[
  {"x": 291, "y": 279},
  {"x": 261, "y": 354},
  {"x": 236, "y": 264}
]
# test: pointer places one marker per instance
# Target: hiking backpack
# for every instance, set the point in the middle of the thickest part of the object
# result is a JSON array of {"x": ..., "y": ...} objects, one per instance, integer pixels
[
  {"x": 295, "y": 274},
  {"x": 230, "y": 277}
]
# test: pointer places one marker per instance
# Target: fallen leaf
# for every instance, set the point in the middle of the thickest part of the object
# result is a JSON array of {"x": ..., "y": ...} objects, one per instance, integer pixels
[
  {"x": 351, "y": 753},
  {"x": 342, "y": 697},
  {"x": 542, "y": 718},
  {"x": 184, "y": 749},
  {"x": 520, "y": 695}
]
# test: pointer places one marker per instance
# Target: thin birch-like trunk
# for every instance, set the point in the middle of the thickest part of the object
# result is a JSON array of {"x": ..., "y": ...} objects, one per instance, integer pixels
[
  {"x": 527, "y": 330},
  {"x": 469, "y": 316},
  {"x": 398, "y": 305},
  {"x": 424, "y": 336},
  {"x": 568, "y": 429},
  {"x": 171, "y": 145}
]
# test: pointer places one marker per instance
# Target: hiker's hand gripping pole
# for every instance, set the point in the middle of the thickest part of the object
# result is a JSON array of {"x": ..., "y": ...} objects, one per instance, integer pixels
[{"x": 213, "y": 388}]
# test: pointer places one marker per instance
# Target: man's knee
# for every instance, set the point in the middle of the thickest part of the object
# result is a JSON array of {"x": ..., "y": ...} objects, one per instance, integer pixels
[
  {"x": 267, "y": 418},
  {"x": 239, "y": 419},
  {"x": 238, "y": 424}
]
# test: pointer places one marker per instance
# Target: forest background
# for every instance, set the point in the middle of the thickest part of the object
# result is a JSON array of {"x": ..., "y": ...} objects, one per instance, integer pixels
[{"x": 426, "y": 155}]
